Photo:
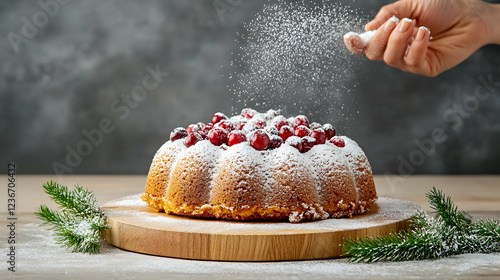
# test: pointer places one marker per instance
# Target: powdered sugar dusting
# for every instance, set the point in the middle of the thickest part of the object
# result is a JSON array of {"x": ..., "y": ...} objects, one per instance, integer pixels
[
  {"x": 386, "y": 211},
  {"x": 166, "y": 150},
  {"x": 242, "y": 166},
  {"x": 41, "y": 258},
  {"x": 293, "y": 57},
  {"x": 364, "y": 37},
  {"x": 129, "y": 201}
]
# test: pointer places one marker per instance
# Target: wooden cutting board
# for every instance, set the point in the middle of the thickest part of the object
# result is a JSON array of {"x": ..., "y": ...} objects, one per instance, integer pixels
[{"x": 138, "y": 228}]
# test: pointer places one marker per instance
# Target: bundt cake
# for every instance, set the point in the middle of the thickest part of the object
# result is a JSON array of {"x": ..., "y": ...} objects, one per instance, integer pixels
[{"x": 260, "y": 166}]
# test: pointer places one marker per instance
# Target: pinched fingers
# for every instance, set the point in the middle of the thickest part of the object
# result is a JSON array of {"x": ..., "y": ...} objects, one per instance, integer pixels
[
  {"x": 398, "y": 43},
  {"x": 415, "y": 59},
  {"x": 407, "y": 48},
  {"x": 378, "y": 43},
  {"x": 372, "y": 43}
]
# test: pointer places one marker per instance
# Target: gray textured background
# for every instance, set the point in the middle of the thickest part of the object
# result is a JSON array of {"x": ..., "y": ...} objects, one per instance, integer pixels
[{"x": 72, "y": 73}]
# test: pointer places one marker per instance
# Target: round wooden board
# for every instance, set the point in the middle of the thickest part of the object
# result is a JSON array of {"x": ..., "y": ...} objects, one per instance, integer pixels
[{"x": 139, "y": 228}]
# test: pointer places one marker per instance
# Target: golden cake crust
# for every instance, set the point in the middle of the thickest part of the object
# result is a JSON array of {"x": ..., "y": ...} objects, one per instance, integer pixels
[{"x": 241, "y": 183}]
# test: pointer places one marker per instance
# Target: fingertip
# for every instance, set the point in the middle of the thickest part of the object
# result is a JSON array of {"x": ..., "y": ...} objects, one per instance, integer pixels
[
  {"x": 372, "y": 25},
  {"x": 427, "y": 30},
  {"x": 418, "y": 49},
  {"x": 377, "y": 45},
  {"x": 406, "y": 25},
  {"x": 377, "y": 23},
  {"x": 395, "y": 19},
  {"x": 398, "y": 42},
  {"x": 391, "y": 24},
  {"x": 354, "y": 43}
]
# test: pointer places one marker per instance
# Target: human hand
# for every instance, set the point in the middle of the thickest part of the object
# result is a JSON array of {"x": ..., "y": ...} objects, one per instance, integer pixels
[{"x": 459, "y": 28}]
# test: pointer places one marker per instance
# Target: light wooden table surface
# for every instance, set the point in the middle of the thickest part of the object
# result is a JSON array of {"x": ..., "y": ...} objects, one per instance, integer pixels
[{"x": 38, "y": 257}]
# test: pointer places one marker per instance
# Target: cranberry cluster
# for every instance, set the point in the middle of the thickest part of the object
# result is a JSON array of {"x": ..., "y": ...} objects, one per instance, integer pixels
[{"x": 260, "y": 134}]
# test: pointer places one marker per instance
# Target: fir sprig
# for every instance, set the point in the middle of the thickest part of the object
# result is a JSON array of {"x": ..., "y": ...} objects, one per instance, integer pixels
[
  {"x": 451, "y": 233},
  {"x": 447, "y": 210},
  {"x": 79, "y": 223}
]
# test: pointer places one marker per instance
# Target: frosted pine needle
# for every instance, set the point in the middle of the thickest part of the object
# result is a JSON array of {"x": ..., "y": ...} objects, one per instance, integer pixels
[
  {"x": 79, "y": 223},
  {"x": 451, "y": 233}
]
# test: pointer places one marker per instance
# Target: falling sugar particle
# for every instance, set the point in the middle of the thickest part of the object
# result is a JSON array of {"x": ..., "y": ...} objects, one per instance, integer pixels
[{"x": 293, "y": 58}]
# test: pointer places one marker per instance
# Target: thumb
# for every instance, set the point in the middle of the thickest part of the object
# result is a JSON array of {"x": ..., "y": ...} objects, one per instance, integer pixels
[{"x": 400, "y": 9}]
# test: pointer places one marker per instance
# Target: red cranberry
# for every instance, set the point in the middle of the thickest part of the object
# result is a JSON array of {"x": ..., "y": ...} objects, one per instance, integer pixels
[
  {"x": 218, "y": 117},
  {"x": 329, "y": 131},
  {"x": 319, "y": 135},
  {"x": 337, "y": 141},
  {"x": 248, "y": 113},
  {"x": 226, "y": 125},
  {"x": 285, "y": 132},
  {"x": 295, "y": 142},
  {"x": 208, "y": 127},
  {"x": 315, "y": 125},
  {"x": 260, "y": 140},
  {"x": 281, "y": 123},
  {"x": 236, "y": 137},
  {"x": 307, "y": 144},
  {"x": 192, "y": 138},
  {"x": 203, "y": 134},
  {"x": 276, "y": 141},
  {"x": 193, "y": 128},
  {"x": 240, "y": 125},
  {"x": 300, "y": 120},
  {"x": 259, "y": 124},
  {"x": 217, "y": 136},
  {"x": 301, "y": 131},
  {"x": 178, "y": 133}
]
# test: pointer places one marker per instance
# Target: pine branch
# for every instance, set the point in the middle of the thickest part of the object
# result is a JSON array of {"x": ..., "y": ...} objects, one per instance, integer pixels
[
  {"x": 488, "y": 232},
  {"x": 80, "y": 201},
  {"x": 487, "y": 227},
  {"x": 424, "y": 242},
  {"x": 79, "y": 223},
  {"x": 446, "y": 209},
  {"x": 451, "y": 233}
]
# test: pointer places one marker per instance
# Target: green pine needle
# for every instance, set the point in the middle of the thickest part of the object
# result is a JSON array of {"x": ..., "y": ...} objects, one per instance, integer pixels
[
  {"x": 489, "y": 231},
  {"x": 446, "y": 209},
  {"x": 451, "y": 233},
  {"x": 79, "y": 223}
]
